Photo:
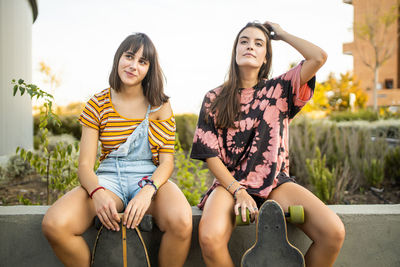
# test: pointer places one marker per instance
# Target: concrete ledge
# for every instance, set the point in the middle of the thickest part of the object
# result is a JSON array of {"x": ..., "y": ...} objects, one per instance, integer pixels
[{"x": 372, "y": 237}]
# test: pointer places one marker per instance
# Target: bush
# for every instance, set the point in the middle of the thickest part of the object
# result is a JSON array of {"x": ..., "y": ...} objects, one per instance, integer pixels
[
  {"x": 18, "y": 167},
  {"x": 322, "y": 179},
  {"x": 354, "y": 151},
  {"x": 362, "y": 114},
  {"x": 190, "y": 175},
  {"x": 185, "y": 128},
  {"x": 392, "y": 163},
  {"x": 374, "y": 173},
  {"x": 69, "y": 125}
]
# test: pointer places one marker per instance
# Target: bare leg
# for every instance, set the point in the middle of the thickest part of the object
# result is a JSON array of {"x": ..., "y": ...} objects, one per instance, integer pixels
[
  {"x": 64, "y": 223},
  {"x": 215, "y": 228},
  {"x": 173, "y": 216},
  {"x": 321, "y": 225}
]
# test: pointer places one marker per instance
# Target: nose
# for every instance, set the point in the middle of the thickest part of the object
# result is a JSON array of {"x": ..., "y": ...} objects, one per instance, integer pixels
[
  {"x": 133, "y": 64},
  {"x": 250, "y": 46}
]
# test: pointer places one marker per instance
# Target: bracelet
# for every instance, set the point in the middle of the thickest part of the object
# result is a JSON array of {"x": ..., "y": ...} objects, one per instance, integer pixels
[
  {"x": 148, "y": 181},
  {"x": 95, "y": 190},
  {"x": 237, "y": 190},
  {"x": 229, "y": 186}
]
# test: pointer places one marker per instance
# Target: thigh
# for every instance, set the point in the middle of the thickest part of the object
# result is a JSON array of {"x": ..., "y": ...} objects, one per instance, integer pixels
[
  {"x": 318, "y": 218},
  {"x": 169, "y": 206},
  {"x": 75, "y": 210},
  {"x": 218, "y": 215}
]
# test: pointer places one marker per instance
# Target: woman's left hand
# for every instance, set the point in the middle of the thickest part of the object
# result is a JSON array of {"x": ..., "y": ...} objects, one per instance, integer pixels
[
  {"x": 278, "y": 32},
  {"x": 137, "y": 207}
]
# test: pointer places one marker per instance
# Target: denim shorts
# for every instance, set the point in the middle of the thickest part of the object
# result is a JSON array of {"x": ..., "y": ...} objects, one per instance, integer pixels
[{"x": 125, "y": 186}]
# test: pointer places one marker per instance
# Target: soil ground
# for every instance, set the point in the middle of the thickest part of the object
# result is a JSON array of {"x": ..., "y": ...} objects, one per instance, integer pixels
[{"x": 33, "y": 190}]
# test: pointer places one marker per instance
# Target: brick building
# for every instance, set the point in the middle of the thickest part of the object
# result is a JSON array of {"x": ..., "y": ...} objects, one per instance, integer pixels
[{"x": 362, "y": 51}]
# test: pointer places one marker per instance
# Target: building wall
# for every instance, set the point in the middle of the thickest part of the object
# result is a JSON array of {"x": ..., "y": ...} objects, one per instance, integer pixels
[
  {"x": 16, "y": 125},
  {"x": 361, "y": 50}
]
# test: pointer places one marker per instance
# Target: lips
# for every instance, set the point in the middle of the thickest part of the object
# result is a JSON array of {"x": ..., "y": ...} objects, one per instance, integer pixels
[
  {"x": 130, "y": 74},
  {"x": 249, "y": 54}
]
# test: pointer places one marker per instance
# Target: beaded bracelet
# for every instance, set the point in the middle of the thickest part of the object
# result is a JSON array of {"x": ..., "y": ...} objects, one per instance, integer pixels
[
  {"x": 237, "y": 190},
  {"x": 148, "y": 181},
  {"x": 94, "y": 191},
  {"x": 229, "y": 186}
]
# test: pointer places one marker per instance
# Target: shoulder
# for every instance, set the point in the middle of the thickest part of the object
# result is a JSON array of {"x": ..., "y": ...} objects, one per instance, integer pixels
[
  {"x": 101, "y": 97},
  {"x": 164, "y": 113},
  {"x": 212, "y": 94}
]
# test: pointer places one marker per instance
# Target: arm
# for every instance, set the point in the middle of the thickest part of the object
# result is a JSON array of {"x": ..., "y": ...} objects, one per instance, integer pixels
[
  {"x": 104, "y": 204},
  {"x": 137, "y": 207},
  {"x": 314, "y": 56},
  {"x": 243, "y": 199}
]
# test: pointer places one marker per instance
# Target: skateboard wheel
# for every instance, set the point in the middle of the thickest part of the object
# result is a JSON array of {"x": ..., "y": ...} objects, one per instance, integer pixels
[
  {"x": 296, "y": 214},
  {"x": 239, "y": 220}
]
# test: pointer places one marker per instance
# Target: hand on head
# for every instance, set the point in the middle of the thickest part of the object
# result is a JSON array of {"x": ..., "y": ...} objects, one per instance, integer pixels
[{"x": 275, "y": 29}]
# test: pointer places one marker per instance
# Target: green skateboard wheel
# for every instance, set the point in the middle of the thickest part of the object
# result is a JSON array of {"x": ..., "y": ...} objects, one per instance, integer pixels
[
  {"x": 239, "y": 220},
  {"x": 296, "y": 214}
]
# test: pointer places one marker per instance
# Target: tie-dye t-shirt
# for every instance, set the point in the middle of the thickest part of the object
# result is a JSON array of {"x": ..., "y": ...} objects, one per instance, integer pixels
[{"x": 257, "y": 150}]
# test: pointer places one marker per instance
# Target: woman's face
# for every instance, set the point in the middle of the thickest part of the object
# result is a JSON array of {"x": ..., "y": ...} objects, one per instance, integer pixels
[
  {"x": 132, "y": 68},
  {"x": 251, "y": 48}
]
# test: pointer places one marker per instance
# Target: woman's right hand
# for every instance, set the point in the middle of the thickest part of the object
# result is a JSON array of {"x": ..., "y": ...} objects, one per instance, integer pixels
[
  {"x": 106, "y": 210},
  {"x": 245, "y": 201}
]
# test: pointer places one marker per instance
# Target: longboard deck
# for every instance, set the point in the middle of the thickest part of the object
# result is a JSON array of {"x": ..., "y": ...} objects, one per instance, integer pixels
[
  {"x": 108, "y": 249},
  {"x": 272, "y": 248}
]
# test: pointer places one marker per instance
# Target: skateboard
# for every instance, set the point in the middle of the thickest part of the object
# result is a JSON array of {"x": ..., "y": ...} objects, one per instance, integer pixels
[
  {"x": 123, "y": 248},
  {"x": 272, "y": 247}
]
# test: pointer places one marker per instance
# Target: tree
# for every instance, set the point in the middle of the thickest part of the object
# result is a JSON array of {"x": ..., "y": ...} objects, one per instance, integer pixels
[
  {"x": 334, "y": 94},
  {"x": 373, "y": 30}
]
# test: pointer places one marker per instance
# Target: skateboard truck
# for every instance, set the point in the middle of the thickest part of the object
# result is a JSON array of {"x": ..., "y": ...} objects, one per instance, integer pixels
[{"x": 295, "y": 215}]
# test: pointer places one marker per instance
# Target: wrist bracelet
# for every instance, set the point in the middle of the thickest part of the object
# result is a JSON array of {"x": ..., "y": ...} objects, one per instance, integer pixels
[
  {"x": 95, "y": 190},
  {"x": 148, "y": 182},
  {"x": 237, "y": 190},
  {"x": 229, "y": 186}
]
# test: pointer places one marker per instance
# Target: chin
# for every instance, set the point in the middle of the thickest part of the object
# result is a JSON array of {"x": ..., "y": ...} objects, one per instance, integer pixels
[{"x": 248, "y": 65}]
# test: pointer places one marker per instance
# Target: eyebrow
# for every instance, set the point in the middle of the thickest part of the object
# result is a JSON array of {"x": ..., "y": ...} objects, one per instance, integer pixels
[
  {"x": 133, "y": 54},
  {"x": 257, "y": 39}
]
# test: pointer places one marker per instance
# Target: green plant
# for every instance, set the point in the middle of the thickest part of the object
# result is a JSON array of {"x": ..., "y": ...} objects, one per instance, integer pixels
[
  {"x": 392, "y": 165},
  {"x": 185, "y": 127},
  {"x": 374, "y": 172},
  {"x": 18, "y": 167},
  {"x": 70, "y": 125},
  {"x": 362, "y": 114},
  {"x": 191, "y": 176},
  {"x": 24, "y": 201},
  {"x": 322, "y": 179},
  {"x": 57, "y": 163}
]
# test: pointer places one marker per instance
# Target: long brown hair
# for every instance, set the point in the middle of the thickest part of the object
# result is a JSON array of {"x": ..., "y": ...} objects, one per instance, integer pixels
[
  {"x": 226, "y": 105},
  {"x": 153, "y": 82}
]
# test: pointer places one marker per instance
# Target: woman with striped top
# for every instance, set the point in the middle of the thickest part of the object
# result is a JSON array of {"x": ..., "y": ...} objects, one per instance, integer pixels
[{"x": 134, "y": 123}]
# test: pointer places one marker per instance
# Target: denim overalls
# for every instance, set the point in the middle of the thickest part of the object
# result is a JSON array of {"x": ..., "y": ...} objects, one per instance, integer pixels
[{"x": 123, "y": 168}]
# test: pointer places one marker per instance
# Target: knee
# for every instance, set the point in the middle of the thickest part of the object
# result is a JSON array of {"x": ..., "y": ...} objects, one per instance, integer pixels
[
  {"x": 211, "y": 240},
  {"x": 180, "y": 225},
  {"x": 334, "y": 236},
  {"x": 52, "y": 228}
]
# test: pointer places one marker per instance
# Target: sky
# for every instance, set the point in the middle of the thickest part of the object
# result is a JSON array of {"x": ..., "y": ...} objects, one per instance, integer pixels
[{"x": 194, "y": 40}]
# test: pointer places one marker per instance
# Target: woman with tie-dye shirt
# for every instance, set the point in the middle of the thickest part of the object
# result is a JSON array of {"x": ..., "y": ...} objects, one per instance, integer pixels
[{"x": 243, "y": 135}]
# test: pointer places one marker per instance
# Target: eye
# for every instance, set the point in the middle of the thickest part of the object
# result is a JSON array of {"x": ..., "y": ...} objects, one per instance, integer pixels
[
  {"x": 259, "y": 44},
  {"x": 143, "y": 61},
  {"x": 128, "y": 56},
  {"x": 243, "y": 42}
]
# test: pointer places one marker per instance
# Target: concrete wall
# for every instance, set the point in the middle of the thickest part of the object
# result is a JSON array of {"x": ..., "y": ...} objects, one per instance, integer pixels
[
  {"x": 16, "y": 125},
  {"x": 372, "y": 239}
]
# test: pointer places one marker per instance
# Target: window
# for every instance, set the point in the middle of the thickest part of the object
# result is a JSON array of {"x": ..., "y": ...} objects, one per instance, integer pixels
[{"x": 389, "y": 84}]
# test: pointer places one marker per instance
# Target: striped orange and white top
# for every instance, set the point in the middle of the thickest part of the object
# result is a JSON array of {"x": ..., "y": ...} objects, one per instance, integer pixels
[{"x": 99, "y": 113}]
